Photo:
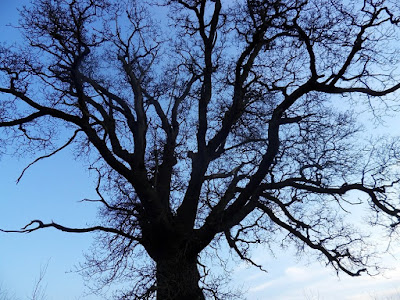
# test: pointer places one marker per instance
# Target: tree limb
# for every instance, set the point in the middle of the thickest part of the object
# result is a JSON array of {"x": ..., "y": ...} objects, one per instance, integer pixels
[{"x": 41, "y": 225}]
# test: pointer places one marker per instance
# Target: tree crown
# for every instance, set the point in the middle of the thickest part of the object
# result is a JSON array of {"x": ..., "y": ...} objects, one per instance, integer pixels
[{"x": 219, "y": 121}]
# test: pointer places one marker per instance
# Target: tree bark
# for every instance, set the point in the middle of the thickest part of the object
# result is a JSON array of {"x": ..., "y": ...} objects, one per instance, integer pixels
[{"x": 178, "y": 279}]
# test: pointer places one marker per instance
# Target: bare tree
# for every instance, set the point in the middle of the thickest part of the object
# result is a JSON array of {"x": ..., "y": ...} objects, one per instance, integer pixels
[
  {"x": 39, "y": 291},
  {"x": 211, "y": 122},
  {"x": 6, "y": 295}
]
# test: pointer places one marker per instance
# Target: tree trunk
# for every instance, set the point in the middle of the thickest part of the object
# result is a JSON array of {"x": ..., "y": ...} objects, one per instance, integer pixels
[{"x": 178, "y": 279}]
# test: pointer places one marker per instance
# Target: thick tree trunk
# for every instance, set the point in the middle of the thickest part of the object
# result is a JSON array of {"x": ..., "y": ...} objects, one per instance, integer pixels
[{"x": 178, "y": 279}]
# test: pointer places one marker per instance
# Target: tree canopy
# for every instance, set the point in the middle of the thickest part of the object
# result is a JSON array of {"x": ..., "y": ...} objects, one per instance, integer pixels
[{"x": 211, "y": 123}]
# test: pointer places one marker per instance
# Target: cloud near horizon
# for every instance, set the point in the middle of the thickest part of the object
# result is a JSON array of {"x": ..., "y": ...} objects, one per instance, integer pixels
[{"x": 316, "y": 282}]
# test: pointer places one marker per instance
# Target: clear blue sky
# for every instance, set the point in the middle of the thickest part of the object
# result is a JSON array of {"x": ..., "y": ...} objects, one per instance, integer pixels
[{"x": 51, "y": 190}]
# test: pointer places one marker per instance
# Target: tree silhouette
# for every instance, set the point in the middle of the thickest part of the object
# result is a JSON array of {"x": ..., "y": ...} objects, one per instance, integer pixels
[{"x": 210, "y": 122}]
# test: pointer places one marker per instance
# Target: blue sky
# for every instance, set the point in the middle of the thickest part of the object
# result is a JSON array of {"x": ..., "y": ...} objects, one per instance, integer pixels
[{"x": 51, "y": 190}]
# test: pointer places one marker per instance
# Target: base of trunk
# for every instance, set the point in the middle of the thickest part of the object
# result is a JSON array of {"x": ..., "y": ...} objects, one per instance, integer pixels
[{"x": 178, "y": 279}]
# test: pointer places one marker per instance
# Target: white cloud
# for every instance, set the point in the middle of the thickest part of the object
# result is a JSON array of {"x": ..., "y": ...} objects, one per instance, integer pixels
[
  {"x": 298, "y": 274},
  {"x": 317, "y": 282},
  {"x": 263, "y": 286}
]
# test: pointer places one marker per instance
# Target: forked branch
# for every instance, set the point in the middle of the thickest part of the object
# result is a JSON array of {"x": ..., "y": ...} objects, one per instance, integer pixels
[{"x": 40, "y": 225}]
